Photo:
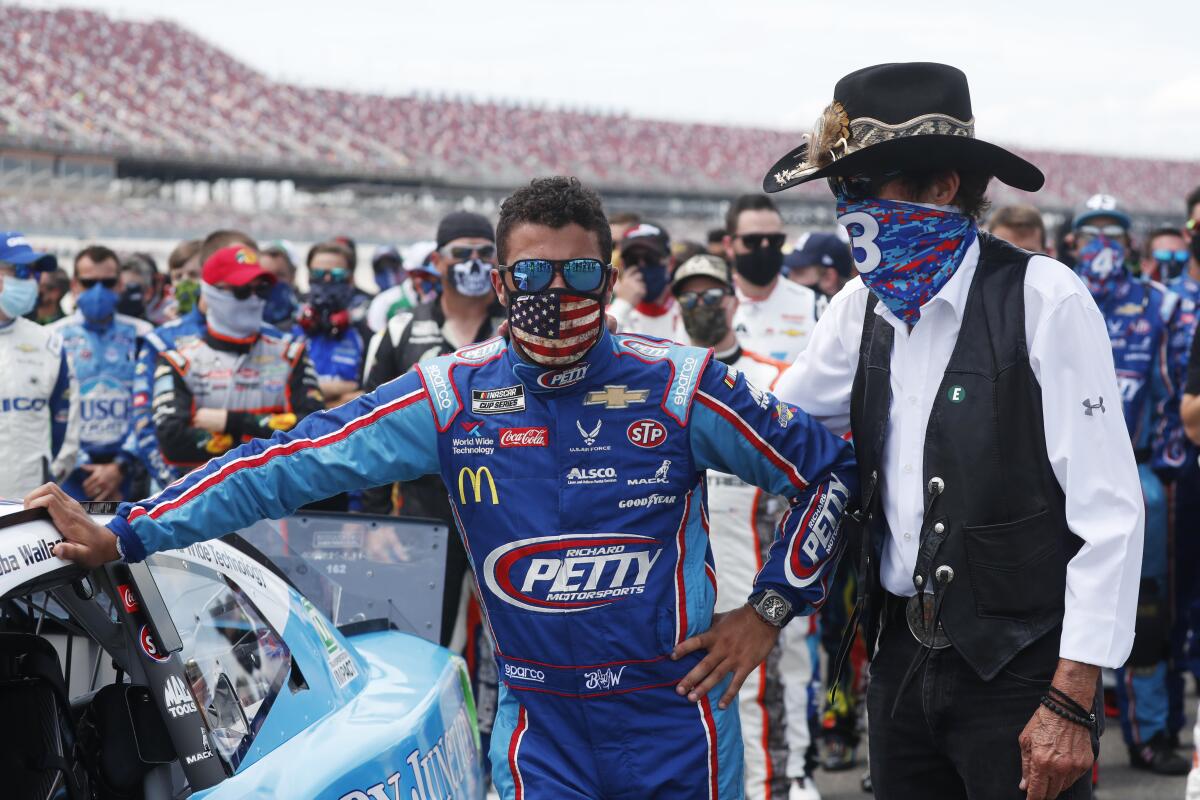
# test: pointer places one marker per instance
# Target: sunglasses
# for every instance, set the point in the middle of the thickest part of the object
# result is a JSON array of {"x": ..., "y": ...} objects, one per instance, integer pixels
[
  {"x": 22, "y": 271},
  {"x": 756, "y": 241},
  {"x": 262, "y": 289},
  {"x": 709, "y": 297},
  {"x": 640, "y": 258},
  {"x": 107, "y": 283},
  {"x": 1111, "y": 231},
  {"x": 580, "y": 274},
  {"x": 1178, "y": 256},
  {"x": 336, "y": 275},
  {"x": 463, "y": 252},
  {"x": 860, "y": 187}
]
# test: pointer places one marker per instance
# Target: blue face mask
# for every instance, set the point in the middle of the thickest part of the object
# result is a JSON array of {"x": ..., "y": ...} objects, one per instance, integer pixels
[
  {"x": 656, "y": 278},
  {"x": 905, "y": 252},
  {"x": 1102, "y": 264},
  {"x": 19, "y": 296},
  {"x": 97, "y": 304},
  {"x": 281, "y": 304}
]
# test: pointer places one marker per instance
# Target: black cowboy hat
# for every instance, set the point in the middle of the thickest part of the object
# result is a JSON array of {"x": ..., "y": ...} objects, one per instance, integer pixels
[{"x": 914, "y": 116}]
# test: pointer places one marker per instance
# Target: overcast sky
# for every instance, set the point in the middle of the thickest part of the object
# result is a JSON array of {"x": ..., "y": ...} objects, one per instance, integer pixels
[{"x": 1103, "y": 76}]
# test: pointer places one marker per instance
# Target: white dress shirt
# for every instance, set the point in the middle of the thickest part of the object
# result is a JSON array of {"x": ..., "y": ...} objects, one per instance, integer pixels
[{"x": 1091, "y": 455}]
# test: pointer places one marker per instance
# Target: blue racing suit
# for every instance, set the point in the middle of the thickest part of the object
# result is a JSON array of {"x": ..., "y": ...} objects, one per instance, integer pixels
[
  {"x": 336, "y": 357},
  {"x": 580, "y": 497},
  {"x": 104, "y": 359},
  {"x": 1139, "y": 316}
]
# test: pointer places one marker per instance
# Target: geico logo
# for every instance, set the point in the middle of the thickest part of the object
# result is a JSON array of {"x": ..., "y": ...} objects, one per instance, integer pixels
[
  {"x": 524, "y": 673},
  {"x": 476, "y": 477},
  {"x": 646, "y": 502},
  {"x": 591, "y": 474},
  {"x": 92, "y": 410},
  {"x": 556, "y": 574},
  {"x": 22, "y": 404}
]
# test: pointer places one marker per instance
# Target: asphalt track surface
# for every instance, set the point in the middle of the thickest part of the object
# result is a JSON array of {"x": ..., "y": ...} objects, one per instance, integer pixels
[{"x": 1118, "y": 781}]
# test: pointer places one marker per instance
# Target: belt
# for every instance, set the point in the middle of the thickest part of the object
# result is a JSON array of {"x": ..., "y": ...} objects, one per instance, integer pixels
[
  {"x": 917, "y": 612},
  {"x": 593, "y": 680}
]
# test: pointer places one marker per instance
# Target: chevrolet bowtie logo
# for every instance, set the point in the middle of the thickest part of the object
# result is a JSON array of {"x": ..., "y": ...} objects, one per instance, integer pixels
[{"x": 616, "y": 397}]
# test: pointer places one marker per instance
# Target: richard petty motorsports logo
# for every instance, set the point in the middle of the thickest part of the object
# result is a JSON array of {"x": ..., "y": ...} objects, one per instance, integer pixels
[{"x": 571, "y": 572}]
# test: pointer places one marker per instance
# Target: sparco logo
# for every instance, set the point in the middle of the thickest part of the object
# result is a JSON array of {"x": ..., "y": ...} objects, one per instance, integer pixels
[
  {"x": 177, "y": 698},
  {"x": 683, "y": 382},
  {"x": 572, "y": 572},
  {"x": 646, "y": 433},
  {"x": 439, "y": 386},
  {"x": 563, "y": 377},
  {"x": 603, "y": 679},
  {"x": 524, "y": 673},
  {"x": 523, "y": 437}
]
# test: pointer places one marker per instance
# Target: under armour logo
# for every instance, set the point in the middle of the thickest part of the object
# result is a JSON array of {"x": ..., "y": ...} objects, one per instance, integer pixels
[
  {"x": 589, "y": 437},
  {"x": 1088, "y": 406}
]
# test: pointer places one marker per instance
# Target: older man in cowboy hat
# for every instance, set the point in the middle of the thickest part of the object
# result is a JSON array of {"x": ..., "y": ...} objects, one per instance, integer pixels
[{"x": 1002, "y": 519}]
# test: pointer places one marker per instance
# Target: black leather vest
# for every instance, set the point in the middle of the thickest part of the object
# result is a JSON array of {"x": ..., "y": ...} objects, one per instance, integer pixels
[{"x": 994, "y": 512}]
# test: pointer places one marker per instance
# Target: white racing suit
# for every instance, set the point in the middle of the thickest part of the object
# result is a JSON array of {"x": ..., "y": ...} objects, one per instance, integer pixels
[{"x": 742, "y": 520}]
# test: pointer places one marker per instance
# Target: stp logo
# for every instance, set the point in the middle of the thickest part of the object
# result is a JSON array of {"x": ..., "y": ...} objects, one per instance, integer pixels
[
  {"x": 523, "y": 437},
  {"x": 150, "y": 647},
  {"x": 646, "y": 433},
  {"x": 128, "y": 598},
  {"x": 572, "y": 572}
]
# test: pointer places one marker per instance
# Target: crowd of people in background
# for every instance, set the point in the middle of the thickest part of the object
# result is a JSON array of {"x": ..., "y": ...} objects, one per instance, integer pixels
[{"x": 122, "y": 375}]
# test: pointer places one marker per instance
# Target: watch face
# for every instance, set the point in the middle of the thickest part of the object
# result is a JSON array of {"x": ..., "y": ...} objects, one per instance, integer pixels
[{"x": 773, "y": 608}]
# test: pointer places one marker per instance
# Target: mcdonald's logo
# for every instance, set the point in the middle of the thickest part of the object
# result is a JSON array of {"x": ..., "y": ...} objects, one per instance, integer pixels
[{"x": 476, "y": 476}]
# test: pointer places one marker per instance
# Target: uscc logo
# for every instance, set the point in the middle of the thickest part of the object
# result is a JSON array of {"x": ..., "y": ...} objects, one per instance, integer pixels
[
  {"x": 646, "y": 433},
  {"x": 150, "y": 647},
  {"x": 563, "y": 378},
  {"x": 573, "y": 572}
]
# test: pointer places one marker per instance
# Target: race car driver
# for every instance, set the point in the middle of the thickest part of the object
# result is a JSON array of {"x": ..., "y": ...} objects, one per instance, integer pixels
[{"x": 591, "y": 551}]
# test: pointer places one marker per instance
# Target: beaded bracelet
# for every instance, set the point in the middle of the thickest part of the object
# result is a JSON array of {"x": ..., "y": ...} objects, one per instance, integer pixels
[
  {"x": 1088, "y": 722},
  {"x": 1070, "y": 703}
]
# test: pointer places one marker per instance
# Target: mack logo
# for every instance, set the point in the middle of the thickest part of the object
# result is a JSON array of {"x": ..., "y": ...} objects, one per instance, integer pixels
[
  {"x": 603, "y": 679},
  {"x": 563, "y": 378},
  {"x": 579, "y": 475},
  {"x": 615, "y": 397},
  {"x": 652, "y": 351},
  {"x": 524, "y": 673},
  {"x": 498, "y": 401},
  {"x": 524, "y": 437},
  {"x": 572, "y": 572},
  {"x": 646, "y": 433},
  {"x": 684, "y": 381},
  {"x": 439, "y": 386},
  {"x": 660, "y": 475},
  {"x": 475, "y": 478},
  {"x": 177, "y": 698}
]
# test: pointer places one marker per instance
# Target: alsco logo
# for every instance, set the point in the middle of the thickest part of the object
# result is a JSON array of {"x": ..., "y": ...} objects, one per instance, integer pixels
[
  {"x": 563, "y": 378},
  {"x": 572, "y": 572},
  {"x": 475, "y": 478},
  {"x": 646, "y": 433},
  {"x": 523, "y": 437}
]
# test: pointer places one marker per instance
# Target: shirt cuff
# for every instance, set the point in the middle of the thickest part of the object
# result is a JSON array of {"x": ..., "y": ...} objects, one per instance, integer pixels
[
  {"x": 1096, "y": 639},
  {"x": 128, "y": 544}
]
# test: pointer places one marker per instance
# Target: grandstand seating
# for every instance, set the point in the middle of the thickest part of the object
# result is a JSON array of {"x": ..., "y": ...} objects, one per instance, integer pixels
[{"x": 83, "y": 80}]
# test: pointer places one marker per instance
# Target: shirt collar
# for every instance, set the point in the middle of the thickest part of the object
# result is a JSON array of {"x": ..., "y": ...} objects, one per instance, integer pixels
[{"x": 954, "y": 293}]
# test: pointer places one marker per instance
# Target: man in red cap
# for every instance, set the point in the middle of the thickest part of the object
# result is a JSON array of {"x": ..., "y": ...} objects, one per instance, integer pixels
[{"x": 241, "y": 380}]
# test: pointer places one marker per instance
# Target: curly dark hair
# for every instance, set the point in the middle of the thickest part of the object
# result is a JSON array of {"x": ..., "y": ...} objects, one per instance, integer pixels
[{"x": 555, "y": 202}]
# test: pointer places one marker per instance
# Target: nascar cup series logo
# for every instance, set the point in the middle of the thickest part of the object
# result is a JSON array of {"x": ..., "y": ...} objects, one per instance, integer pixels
[{"x": 572, "y": 572}]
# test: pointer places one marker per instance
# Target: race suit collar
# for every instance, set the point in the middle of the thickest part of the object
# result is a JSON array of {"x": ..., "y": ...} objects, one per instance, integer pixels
[
  {"x": 583, "y": 373},
  {"x": 217, "y": 342}
]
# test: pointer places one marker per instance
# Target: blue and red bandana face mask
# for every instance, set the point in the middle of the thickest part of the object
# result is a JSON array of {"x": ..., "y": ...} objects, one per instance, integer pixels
[
  {"x": 1102, "y": 264},
  {"x": 555, "y": 327},
  {"x": 905, "y": 252}
]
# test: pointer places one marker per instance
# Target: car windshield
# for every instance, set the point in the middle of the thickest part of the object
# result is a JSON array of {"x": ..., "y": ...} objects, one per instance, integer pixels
[{"x": 360, "y": 569}]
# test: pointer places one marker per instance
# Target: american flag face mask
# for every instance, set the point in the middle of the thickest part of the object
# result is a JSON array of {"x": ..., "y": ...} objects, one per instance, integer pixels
[{"x": 555, "y": 327}]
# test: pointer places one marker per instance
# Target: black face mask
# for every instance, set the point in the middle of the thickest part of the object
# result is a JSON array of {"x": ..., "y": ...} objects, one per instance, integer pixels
[
  {"x": 132, "y": 302},
  {"x": 760, "y": 266}
]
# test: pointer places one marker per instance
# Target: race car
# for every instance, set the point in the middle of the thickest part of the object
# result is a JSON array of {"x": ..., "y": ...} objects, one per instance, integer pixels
[{"x": 285, "y": 661}]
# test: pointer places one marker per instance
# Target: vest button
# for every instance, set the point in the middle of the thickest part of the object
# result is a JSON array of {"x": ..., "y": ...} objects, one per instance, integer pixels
[
  {"x": 944, "y": 574},
  {"x": 936, "y": 485},
  {"x": 919, "y": 581},
  {"x": 939, "y": 527}
]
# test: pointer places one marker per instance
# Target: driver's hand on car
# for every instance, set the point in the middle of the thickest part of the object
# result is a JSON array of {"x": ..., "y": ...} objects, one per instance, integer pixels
[{"x": 84, "y": 541}]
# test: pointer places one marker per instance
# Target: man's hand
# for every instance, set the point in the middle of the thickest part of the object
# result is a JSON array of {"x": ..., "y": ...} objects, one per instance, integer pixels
[
  {"x": 86, "y": 543},
  {"x": 103, "y": 481},
  {"x": 212, "y": 420},
  {"x": 631, "y": 286},
  {"x": 737, "y": 642},
  {"x": 1056, "y": 752}
]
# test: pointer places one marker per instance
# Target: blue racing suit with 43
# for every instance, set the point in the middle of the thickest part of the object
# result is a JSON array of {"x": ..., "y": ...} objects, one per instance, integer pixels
[{"x": 579, "y": 494}]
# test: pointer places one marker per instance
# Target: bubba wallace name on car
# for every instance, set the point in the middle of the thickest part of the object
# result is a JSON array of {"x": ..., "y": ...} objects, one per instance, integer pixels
[
  {"x": 227, "y": 562},
  {"x": 591, "y": 570},
  {"x": 439, "y": 773},
  {"x": 27, "y": 555},
  {"x": 498, "y": 401},
  {"x": 177, "y": 699}
]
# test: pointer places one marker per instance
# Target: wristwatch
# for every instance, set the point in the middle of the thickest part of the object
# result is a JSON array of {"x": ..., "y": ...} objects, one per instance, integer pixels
[{"x": 772, "y": 607}]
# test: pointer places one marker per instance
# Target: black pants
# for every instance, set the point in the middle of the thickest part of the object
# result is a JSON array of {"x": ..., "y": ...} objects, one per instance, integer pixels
[{"x": 953, "y": 735}]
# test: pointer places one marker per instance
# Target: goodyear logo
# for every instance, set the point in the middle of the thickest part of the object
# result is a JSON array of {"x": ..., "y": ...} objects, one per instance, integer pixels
[{"x": 475, "y": 478}]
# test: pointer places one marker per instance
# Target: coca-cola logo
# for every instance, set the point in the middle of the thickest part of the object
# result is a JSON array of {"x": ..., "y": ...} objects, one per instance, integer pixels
[{"x": 524, "y": 437}]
